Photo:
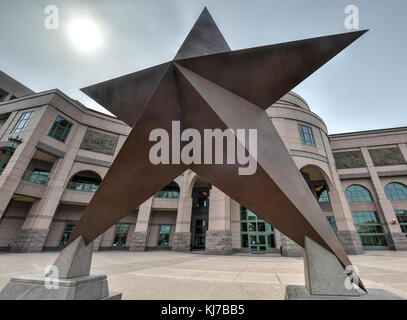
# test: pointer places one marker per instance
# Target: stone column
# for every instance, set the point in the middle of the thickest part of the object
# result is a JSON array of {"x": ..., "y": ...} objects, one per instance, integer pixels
[
  {"x": 181, "y": 240},
  {"x": 219, "y": 236},
  {"x": 395, "y": 237},
  {"x": 347, "y": 233},
  {"x": 10, "y": 178},
  {"x": 32, "y": 235},
  {"x": 289, "y": 248},
  {"x": 403, "y": 149},
  {"x": 235, "y": 225},
  {"x": 139, "y": 238}
]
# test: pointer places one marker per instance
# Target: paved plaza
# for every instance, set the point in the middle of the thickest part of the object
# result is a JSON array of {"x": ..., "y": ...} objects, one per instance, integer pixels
[{"x": 170, "y": 275}]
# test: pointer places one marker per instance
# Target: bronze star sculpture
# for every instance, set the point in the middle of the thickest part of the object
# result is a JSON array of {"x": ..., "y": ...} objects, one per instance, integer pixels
[{"x": 208, "y": 86}]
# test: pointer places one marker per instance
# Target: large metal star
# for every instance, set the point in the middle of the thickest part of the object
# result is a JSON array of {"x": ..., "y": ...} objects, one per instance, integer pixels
[{"x": 208, "y": 86}]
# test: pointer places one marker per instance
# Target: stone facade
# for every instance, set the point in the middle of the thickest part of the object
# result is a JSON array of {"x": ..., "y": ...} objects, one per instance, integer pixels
[
  {"x": 181, "y": 241},
  {"x": 138, "y": 241},
  {"x": 218, "y": 242},
  {"x": 29, "y": 240},
  {"x": 350, "y": 241},
  {"x": 37, "y": 212},
  {"x": 289, "y": 248}
]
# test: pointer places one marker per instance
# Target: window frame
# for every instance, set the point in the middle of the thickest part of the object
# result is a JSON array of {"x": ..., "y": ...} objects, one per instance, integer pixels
[
  {"x": 308, "y": 142},
  {"x": 351, "y": 198},
  {"x": 56, "y": 125},
  {"x": 395, "y": 194},
  {"x": 21, "y": 120}
]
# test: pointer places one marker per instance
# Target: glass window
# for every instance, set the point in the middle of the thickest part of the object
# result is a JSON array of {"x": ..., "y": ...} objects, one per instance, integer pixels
[
  {"x": 256, "y": 234},
  {"x": 60, "y": 129},
  {"x": 164, "y": 235},
  {"x": 306, "y": 135},
  {"x": 370, "y": 229},
  {"x": 324, "y": 197},
  {"x": 332, "y": 222},
  {"x": 396, "y": 192},
  {"x": 69, "y": 227},
  {"x": 357, "y": 193},
  {"x": 120, "y": 236},
  {"x": 22, "y": 122},
  {"x": 402, "y": 218},
  {"x": 37, "y": 176}
]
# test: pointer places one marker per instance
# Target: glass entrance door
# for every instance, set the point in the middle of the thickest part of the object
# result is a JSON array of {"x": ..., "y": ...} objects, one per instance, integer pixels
[
  {"x": 200, "y": 234},
  {"x": 258, "y": 243}
]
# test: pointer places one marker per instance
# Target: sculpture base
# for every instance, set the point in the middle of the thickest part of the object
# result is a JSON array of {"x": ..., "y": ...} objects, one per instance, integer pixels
[
  {"x": 34, "y": 287},
  {"x": 301, "y": 293}
]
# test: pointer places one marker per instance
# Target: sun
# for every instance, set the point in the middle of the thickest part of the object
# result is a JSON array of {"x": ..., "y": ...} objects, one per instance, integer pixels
[{"x": 85, "y": 34}]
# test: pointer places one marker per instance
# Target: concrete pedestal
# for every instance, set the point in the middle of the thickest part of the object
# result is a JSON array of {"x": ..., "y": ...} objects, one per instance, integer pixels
[
  {"x": 67, "y": 279},
  {"x": 37, "y": 287},
  {"x": 325, "y": 279},
  {"x": 301, "y": 293}
]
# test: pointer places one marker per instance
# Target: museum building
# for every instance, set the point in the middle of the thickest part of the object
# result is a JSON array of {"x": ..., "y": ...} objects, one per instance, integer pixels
[{"x": 54, "y": 153}]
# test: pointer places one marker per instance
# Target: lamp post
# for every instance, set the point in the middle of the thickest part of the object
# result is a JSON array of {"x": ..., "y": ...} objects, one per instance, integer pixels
[{"x": 12, "y": 145}]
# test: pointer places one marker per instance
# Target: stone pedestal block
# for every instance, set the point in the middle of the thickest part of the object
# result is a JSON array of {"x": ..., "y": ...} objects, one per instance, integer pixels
[
  {"x": 181, "y": 241},
  {"x": 138, "y": 241},
  {"x": 289, "y": 248},
  {"x": 96, "y": 244},
  {"x": 37, "y": 287},
  {"x": 218, "y": 242},
  {"x": 350, "y": 241},
  {"x": 397, "y": 241},
  {"x": 67, "y": 279},
  {"x": 29, "y": 240}
]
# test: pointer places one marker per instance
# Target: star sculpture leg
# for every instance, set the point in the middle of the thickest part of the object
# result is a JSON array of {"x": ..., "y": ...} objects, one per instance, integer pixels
[{"x": 207, "y": 86}]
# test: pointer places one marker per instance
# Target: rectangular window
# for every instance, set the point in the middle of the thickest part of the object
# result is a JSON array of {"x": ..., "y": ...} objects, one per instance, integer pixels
[
  {"x": 60, "y": 129},
  {"x": 164, "y": 235},
  {"x": 306, "y": 135},
  {"x": 370, "y": 229},
  {"x": 402, "y": 218},
  {"x": 22, "y": 122},
  {"x": 120, "y": 236},
  {"x": 69, "y": 227}
]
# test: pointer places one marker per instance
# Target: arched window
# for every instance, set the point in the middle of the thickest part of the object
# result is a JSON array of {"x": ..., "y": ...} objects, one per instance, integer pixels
[
  {"x": 87, "y": 181},
  {"x": 169, "y": 192},
  {"x": 396, "y": 192},
  {"x": 357, "y": 193}
]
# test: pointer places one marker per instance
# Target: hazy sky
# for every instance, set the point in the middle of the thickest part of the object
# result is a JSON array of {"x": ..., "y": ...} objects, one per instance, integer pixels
[{"x": 363, "y": 88}]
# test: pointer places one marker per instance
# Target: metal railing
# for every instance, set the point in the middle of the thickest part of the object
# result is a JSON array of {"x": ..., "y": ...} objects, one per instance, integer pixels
[{"x": 82, "y": 186}]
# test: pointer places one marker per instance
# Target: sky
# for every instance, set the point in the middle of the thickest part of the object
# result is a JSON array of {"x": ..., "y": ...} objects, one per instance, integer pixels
[{"x": 363, "y": 88}]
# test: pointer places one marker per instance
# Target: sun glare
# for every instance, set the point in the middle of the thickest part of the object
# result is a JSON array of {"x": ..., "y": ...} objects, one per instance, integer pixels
[{"x": 85, "y": 34}]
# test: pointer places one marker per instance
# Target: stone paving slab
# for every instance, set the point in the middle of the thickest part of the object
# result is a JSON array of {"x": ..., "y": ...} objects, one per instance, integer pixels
[{"x": 173, "y": 275}]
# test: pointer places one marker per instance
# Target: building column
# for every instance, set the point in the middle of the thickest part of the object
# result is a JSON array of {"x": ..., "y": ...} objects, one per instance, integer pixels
[
  {"x": 181, "y": 240},
  {"x": 10, "y": 178},
  {"x": 395, "y": 237},
  {"x": 289, "y": 248},
  {"x": 219, "y": 236},
  {"x": 235, "y": 225},
  {"x": 140, "y": 235},
  {"x": 347, "y": 234},
  {"x": 403, "y": 149},
  {"x": 33, "y": 233}
]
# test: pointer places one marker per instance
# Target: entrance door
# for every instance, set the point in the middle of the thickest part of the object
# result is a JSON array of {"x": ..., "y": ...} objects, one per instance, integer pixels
[
  {"x": 258, "y": 242},
  {"x": 200, "y": 234}
]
